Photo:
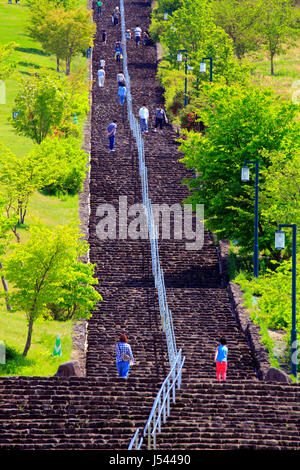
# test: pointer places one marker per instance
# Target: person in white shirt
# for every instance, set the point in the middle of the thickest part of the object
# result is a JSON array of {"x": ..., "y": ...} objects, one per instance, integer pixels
[
  {"x": 120, "y": 78},
  {"x": 101, "y": 77},
  {"x": 138, "y": 35},
  {"x": 144, "y": 116},
  {"x": 102, "y": 63}
]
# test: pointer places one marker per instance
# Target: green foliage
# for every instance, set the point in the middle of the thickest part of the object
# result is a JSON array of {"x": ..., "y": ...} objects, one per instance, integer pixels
[
  {"x": 274, "y": 292},
  {"x": 168, "y": 6},
  {"x": 20, "y": 178},
  {"x": 281, "y": 189},
  {"x": 157, "y": 27},
  {"x": 173, "y": 83},
  {"x": 62, "y": 32},
  {"x": 45, "y": 271},
  {"x": 7, "y": 63},
  {"x": 40, "y": 104},
  {"x": 76, "y": 297},
  {"x": 277, "y": 25},
  {"x": 158, "y": 24},
  {"x": 52, "y": 4},
  {"x": 251, "y": 303},
  {"x": 240, "y": 20},
  {"x": 241, "y": 123},
  {"x": 200, "y": 37},
  {"x": 6, "y": 226},
  {"x": 39, "y": 361},
  {"x": 66, "y": 164},
  {"x": 46, "y": 102}
]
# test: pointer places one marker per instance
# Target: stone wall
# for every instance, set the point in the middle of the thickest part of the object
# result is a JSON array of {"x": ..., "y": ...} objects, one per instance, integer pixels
[{"x": 251, "y": 331}]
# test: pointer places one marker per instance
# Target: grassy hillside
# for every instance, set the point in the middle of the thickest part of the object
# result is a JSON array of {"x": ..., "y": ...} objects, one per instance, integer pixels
[
  {"x": 50, "y": 211},
  {"x": 286, "y": 68}
]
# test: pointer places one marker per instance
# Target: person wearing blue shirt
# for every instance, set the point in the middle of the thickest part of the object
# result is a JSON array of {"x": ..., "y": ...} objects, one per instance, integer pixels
[
  {"x": 118, "y": 52},
  {"x": 111, "y": 132},
  {"x": 122, "y": 94},
  {"x": 221, "y": 360}
]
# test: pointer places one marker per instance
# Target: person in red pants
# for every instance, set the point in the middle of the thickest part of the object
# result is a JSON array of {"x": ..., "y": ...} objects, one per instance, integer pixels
[{"x": 221, "y": 360}]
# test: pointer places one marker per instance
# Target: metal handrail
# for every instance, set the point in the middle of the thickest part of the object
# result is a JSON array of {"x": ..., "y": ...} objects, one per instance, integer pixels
[
  {"x": 165, "y": 313},
  {"x": 161, "y": 407}
]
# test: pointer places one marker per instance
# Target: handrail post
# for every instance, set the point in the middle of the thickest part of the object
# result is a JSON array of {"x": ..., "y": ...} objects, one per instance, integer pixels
[{"x": 149, "y": 436}]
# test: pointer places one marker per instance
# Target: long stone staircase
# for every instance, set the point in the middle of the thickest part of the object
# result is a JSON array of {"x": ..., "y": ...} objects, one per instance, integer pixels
[{"x": 102, "y": 411}]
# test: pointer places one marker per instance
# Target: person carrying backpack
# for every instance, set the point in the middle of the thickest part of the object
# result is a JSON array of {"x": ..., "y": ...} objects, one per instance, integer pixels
[
  {"x": 160, "y": 118},
  {"x": 138, "y": 34},
  {"x": 116, "y": 16},
  {"x": 118, "y": 52},
  {"x": 120, "y": 78}
]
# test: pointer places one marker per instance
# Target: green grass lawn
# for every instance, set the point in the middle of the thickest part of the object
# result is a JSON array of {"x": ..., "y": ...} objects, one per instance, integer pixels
[
  {"x": 29, "y": 55},
  {"x": 286, "y": 69},
  {"x": 39, "y": 361},
  {"x": 49, "y": 210}
]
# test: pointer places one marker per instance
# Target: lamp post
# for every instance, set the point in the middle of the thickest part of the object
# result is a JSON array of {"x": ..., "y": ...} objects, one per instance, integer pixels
[
  {"x": 203, "y": 67},
  {"x": 167, "y": 13},
  {"x": 245, "y": 178},
  {"x": 179, "y": 59},
  {"x": 279, "y": 245}
]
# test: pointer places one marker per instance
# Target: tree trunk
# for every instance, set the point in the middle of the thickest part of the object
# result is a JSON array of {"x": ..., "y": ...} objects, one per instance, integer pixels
[
  {"x": 5, "y": 287},
  {"x": 29, "y": 334},
  {"x": 22, "y": 214},
  {"x": 57, "y": 64},
  {"x": 14, "y": 230},
  {"x": 68, "y": 66},
  {"x": 272, "y": 64}
]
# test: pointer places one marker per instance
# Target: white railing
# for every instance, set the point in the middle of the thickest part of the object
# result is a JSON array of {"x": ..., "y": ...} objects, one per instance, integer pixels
[{"x": 161, "y": 408}]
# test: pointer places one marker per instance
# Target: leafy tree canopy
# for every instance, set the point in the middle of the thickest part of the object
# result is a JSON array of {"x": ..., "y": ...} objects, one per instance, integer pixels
[
  {"x": 46, "y": 270},
  {"x": 243, "y": 124}
]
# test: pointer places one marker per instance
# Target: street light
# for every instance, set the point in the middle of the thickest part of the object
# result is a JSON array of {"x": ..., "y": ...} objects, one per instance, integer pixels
[
  {"x": 179, "y": 59},
  {"x": 203, "y": 67},
  {"x": 245, "y": 178},
  {"x": 166, "y": 14},
  {"x": 279, "y": 245}
]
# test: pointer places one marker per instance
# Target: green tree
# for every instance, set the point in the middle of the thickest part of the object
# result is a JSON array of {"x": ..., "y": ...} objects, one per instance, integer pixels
[
  {"x": 277, "y": 26},
  {"x": 7, "y": 63},
  {"x": 274, "y": 308},
  {"x": 200, "y": 37},
  {"x": 66, "y": 164},
  {"x": 64, "y": 33},
  {"x": 20, "y": 178},
  {"x": 47, "y": 101},
  {"x": 281, "y": 190},
  {"x": 241, "y": 123},
  {"x": 40, "y": 103},
  {"x": 45, "y": 270},
  {"x": 190, "y": 26},
  {"x": 6, "y": 228},
  {"x": 239, "y": 19}
]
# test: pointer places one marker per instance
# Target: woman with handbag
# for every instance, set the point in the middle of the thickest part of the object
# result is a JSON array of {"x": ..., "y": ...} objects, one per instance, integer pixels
[
  {"x": 160, "y": 117},
  {"x": 124, "y": 356}
]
